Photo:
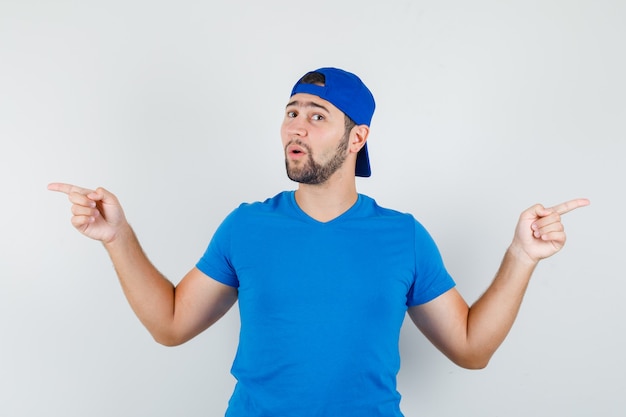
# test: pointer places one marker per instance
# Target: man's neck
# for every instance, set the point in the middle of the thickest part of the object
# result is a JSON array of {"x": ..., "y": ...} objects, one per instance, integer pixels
[{"x": 327, "y": 201}]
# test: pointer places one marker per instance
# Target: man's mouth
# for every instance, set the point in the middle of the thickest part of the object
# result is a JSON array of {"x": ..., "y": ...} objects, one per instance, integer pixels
[{"x": 295, "y": 150}]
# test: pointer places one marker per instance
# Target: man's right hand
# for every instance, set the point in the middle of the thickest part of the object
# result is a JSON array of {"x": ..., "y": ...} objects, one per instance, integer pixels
[
  {"x": 95, "y": 213},
  {"x": 171, "y": 314}
]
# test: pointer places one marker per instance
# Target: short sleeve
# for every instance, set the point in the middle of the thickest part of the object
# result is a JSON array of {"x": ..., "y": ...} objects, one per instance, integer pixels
[
  {"x": 431, "y": 277},
  {"x": 216, "y": 261}
]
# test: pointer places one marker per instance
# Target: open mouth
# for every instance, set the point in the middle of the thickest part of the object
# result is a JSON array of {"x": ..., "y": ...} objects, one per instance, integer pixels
[{"x": 295, "y": 150}]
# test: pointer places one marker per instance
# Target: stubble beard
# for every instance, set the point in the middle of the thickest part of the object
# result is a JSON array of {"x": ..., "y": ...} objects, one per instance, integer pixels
[{"x": 312, "y": 172}]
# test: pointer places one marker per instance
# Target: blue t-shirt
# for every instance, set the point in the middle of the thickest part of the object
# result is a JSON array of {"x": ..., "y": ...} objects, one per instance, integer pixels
[{"x": 321, "y": 305}]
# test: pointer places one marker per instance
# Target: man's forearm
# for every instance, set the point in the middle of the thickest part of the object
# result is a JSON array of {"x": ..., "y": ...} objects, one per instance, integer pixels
[
  {"x": 491, "y": 317},
  {"x": 149, "y": 293}
]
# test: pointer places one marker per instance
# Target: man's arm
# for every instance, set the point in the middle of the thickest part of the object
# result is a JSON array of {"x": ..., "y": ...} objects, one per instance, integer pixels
[
  {"x": 469, "y": 336},
  {"x": 171, "y": 314}
]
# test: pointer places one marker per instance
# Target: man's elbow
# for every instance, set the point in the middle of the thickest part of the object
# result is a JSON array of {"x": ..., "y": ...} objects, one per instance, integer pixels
[
  {"x": 474, "y": 365},
  {"x": 168, "y": 342},
  {"x": 168, "y": 339},
  {"x": 472, "y": 362}
]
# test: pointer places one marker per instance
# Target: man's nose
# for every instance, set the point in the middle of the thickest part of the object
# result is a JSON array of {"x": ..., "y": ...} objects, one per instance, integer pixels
[{"x": 297, "y": 126}]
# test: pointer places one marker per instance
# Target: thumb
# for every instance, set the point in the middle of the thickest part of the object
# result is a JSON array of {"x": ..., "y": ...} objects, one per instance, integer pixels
[
  {"x": 538, "y": 211},
  {"x": 104, "y": 196},
  {"x": 108, "y": 206},
  {"x": 532, "y": 213}
]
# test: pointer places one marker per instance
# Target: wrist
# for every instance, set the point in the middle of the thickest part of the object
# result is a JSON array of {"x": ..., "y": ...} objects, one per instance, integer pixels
[
  {"x": 519, "y": 255},
  {"x": 121, "y": 236}
]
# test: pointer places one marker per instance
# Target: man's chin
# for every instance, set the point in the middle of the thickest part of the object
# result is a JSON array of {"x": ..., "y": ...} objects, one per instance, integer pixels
[
  {"x": 303, "y": 178},
  {"x": 298, "y": 174}
]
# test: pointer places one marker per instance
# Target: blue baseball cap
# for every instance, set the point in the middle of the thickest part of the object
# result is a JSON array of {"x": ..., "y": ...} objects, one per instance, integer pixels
[{"x": 347, "y": 92}]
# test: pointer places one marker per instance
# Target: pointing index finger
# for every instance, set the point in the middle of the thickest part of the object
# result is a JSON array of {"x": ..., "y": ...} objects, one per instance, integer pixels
[
  {"x": 570, "y": 205},
  {"x": 67, "y": 188}
]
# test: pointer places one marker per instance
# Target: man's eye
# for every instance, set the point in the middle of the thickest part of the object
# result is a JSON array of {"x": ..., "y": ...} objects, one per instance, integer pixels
[
  {"x": 291, "y": 114},
  {"x": 317, "y": 117}
]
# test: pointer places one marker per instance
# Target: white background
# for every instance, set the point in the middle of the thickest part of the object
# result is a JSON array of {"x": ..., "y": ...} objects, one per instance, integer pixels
[{"x": 484, "y": 108}]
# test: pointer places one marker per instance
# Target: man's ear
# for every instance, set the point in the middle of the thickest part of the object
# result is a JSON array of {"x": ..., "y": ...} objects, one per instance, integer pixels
[{"x": 358, "y": 137}]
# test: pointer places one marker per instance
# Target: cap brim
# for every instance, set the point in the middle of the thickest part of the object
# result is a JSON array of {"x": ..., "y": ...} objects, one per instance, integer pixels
[{"x": 363, "y": 163}]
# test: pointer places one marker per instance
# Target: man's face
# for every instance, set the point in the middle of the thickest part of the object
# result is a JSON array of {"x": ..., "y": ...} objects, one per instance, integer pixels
[{"x": 314, "y": 139}]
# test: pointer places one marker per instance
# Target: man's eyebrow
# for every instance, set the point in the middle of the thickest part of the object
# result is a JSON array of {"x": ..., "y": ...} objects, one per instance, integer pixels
[{"x": 307, "y": 104}]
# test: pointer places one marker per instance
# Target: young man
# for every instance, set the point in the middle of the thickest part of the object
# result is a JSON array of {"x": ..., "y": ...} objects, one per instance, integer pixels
[{"x": 324, "y": 276}]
